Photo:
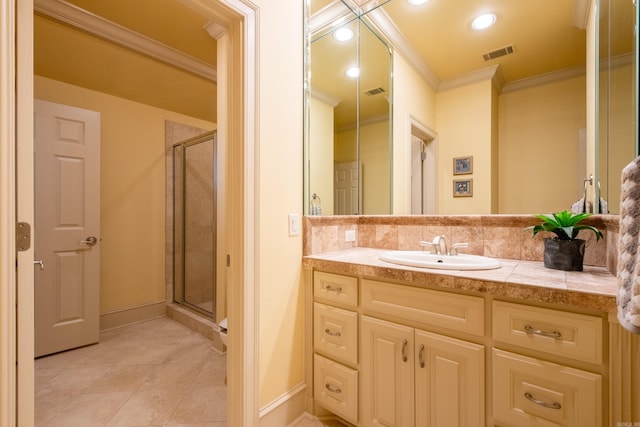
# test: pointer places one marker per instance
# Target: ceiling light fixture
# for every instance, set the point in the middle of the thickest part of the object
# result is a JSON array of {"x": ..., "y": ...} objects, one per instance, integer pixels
[
  {"x": 483, "y": 21},
  {"x": 417, "y": 2},
  {"x": 343, "y": 34},
  {"x": 352, "y": 72}
]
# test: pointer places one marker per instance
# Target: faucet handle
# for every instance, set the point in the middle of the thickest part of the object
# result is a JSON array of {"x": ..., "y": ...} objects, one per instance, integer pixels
[
  {"x": 433, "y": 248},
  {"x": 456, "y": 246}
]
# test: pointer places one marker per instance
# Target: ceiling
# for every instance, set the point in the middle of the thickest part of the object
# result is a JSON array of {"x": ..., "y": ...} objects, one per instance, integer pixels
[{"x": 547, "y": 36}]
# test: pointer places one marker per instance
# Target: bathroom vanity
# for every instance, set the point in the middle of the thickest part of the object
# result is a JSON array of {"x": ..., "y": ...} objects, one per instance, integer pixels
[{"x": 519, "y": 345}]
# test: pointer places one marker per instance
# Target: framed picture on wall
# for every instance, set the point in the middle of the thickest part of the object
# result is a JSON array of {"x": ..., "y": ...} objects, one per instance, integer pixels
[
  {"x": 462, "y": 165},
  {"x": 462, "y": 187}
]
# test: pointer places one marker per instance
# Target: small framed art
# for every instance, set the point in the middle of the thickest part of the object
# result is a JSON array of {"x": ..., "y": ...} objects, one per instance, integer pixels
[
  {"x": 462, "y": 187},
  {"x": 462, "y": 165}
]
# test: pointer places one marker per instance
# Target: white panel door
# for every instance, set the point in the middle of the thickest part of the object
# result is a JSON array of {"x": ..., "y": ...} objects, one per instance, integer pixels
[
  {"x": 67, "y": 227},
  {"x": 346, "y": 188}
]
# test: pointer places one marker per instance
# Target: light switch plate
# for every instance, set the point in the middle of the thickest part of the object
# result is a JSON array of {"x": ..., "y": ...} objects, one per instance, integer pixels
[
  {"x": 294, "y": 224},
  {"x": 350, "y": 236}
]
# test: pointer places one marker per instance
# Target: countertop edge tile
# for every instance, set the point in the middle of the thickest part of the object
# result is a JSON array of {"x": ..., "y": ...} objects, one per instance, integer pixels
[{"x": 593, "y": 289}]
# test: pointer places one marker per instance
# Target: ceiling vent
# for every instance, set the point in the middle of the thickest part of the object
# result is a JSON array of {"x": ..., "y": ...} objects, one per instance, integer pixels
[
  {"x": 508, "y": 50},
  {"x": 375, "y": 91}
]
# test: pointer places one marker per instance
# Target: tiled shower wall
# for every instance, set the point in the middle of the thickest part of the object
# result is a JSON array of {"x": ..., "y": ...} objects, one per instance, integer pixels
[{"x": 497, "y": 236}]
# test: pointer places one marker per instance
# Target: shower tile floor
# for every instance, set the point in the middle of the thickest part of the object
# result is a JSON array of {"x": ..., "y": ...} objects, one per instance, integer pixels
[{"x": 153, "y": 373}]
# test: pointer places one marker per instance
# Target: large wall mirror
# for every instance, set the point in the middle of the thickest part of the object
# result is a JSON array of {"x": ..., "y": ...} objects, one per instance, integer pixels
[
  {"x": 530, "y": 115},
  {"x": 350, "y": 113}
]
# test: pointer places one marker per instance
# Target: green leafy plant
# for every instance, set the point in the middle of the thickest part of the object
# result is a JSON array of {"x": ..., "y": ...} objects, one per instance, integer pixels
[{"x": 564, "y": 224}]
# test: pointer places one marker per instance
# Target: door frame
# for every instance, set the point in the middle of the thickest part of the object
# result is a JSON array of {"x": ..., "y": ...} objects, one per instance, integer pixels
[{"x": 239, "y": 123}]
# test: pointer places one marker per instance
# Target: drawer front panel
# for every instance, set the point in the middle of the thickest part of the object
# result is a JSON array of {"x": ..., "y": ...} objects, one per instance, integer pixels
[
  {"x": 335, "y": 288},
  {"x": 336, "y": 388},
  {"x": 452, "y": 311},
  {"x": 577, "y": 336},
  {"x": 532, "y": 392},
  {"x": 335, "y": 332}
]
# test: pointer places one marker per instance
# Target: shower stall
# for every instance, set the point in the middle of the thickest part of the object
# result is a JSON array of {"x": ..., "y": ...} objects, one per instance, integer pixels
[{"x": 194, "y": 224}]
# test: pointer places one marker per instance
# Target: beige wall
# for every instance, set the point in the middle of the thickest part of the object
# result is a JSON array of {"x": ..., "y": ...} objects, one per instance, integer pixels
[
  {"x": 321, "y": 154},
  {"x": 279, "y": 185},
  {"x": 464, "y": 120},
  {"x": 413, "y": 100},
  {"x": 132, "y": 192},
  {"x": 539, "y": 144}
]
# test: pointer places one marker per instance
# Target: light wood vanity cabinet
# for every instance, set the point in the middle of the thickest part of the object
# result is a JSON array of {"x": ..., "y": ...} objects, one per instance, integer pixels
[{"x": 389, "y": 354}]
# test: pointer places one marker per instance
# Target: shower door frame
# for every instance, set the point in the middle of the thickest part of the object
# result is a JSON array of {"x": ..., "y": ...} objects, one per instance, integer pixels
[{"x": 179, "y": 225}]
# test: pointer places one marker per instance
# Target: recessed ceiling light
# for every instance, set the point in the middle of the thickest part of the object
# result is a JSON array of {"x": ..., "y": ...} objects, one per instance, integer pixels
[
  {"x": 417, "y": 2},
  {"x": 483, "y": 21},
  {"x": 352, "y": 72},
  {"x": 343, "y": 34}
]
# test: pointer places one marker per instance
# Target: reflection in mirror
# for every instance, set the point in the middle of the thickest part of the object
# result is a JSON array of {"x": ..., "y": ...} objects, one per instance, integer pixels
[
  {"x": 519, "y": 98},
  {"x": 617, "y": 112},
  {"x": 349, "y": 119}
]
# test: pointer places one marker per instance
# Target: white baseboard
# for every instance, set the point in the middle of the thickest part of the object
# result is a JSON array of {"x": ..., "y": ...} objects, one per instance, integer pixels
[
  {"x": 284, "y": 410},
  {"x": 118, "y": 318}
]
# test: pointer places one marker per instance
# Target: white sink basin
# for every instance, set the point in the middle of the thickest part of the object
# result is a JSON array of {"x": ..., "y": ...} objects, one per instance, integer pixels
[{"x": 442, "y": 262}]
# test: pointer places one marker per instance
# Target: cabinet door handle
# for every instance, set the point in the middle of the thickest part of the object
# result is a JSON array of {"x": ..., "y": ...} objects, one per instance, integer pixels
[
  {"x": 553, "y": 334},
  {"x": 405, "y": 343},
  {"x": 421, "y": 356},
  {"x": 332, "y": 389},
  {"x": 553, "y": 405},
  {"x": 332, "y": 289},
  {"x": 330, "y": 332}
]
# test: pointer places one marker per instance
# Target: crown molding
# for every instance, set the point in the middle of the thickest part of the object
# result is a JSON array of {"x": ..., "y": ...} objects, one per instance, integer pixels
[
  {"x": 542, "y": 79},
  {"x": 122, "y": 36},
  {"x": 325, "y": 97},
  {"x": 401, "y": 45},
  {"x": 581, "y": 9},
  {"x": 493, "y": 73}
]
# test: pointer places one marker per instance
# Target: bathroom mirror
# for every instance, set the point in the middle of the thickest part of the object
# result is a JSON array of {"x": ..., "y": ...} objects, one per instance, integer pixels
[
  {"x": 617, "y": 141},
  {"x": 349, "y": 119},
  {"x": 513, "y": 185}
]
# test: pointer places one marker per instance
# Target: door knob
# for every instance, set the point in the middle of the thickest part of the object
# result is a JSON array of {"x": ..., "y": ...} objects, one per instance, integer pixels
[
  {"x": 89, "y": 241},
  {"x": 39, "y": 262}
]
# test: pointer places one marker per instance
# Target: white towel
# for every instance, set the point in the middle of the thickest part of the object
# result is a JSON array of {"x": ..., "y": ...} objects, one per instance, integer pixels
[{"x": 628, "y": 298}]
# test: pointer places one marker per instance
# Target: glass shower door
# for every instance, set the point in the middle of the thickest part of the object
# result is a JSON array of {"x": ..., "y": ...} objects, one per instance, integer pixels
[{"x": 195, "y": 224}]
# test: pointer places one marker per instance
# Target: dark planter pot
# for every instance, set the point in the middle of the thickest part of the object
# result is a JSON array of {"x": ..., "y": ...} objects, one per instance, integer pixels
[{"x": 563, "y": 254}]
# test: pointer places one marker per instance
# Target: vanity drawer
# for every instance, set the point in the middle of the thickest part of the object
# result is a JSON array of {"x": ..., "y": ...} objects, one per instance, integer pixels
[
  {"x": 531, "y": 392},
  {"x": 577, "y": 336},
  {"x": 335, "y": 288},
  {"x": 336, "y": 388},
  {"x": 444, "y": 309},
  {"x": 335, "y": 332}
]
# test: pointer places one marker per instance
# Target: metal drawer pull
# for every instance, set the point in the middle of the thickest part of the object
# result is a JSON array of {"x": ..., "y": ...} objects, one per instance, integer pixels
[
  {"x": 330, "y": 332},
  {"x": 531, "y": 330},
  {"x": 332, "y": 389},
  {"x": 554, "y": 405},
  {"x": 421, "y": 356},
  {"x": 332, "y": 289},
  {"x": 404, "y": 350}
]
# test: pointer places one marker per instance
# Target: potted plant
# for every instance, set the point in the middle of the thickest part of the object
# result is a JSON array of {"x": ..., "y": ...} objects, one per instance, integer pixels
[{"x": 565, "y": 251}]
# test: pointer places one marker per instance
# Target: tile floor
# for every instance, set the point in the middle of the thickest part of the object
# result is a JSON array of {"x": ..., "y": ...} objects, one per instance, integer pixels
[{"x": 154, "y": 373}]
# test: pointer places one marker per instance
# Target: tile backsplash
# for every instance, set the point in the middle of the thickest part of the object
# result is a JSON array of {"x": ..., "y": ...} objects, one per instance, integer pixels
[{"x": 497, "y": 236}]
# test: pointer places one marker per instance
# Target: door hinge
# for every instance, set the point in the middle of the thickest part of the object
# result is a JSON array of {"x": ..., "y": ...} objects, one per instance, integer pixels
[
  {"x": 23, "y": 236},
  {"x": 228, "y": 260}
]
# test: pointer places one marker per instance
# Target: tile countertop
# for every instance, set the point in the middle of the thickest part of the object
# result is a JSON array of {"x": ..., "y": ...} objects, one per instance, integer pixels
[{"x": 593, "y": 289}]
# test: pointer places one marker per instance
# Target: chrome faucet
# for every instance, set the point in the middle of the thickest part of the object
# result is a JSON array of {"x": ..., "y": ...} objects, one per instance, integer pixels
[{"x": 439, "y": 246}]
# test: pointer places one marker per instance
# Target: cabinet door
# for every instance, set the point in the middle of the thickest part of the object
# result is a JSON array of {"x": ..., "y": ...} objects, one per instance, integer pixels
[
  {"x": 449, "y": 381},
  {"x": 387, "y": 371}
]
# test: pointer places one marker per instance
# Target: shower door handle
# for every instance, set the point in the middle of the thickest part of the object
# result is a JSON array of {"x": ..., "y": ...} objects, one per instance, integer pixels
[{"x": 89, "y": 241}]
